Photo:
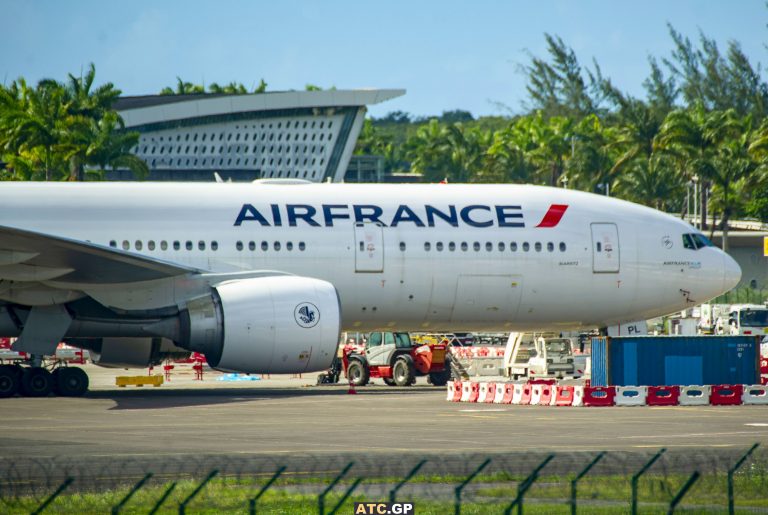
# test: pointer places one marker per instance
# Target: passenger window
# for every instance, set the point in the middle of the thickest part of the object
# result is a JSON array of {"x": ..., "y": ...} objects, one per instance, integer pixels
[
  {"x": 550, "y": 246},
  {"x": 427, "y": 246},
  {"x": 476, "y": 246},
  {"x": 126, "y": 245},
  {"x": 214, "y": 245},
  {"x": 189, "y": 245},
  {"x": 289, "y": 245},
  {"x": 488, "y": 246},
  {"x": 513, "y": 246},
  {"x": 138, "y": 245},
  {"x": 201, "y": 245},
  {"x": 176, "y": 245},
  {"x": 151, "y": 244},
  {"x": 526, "y": 246},
  {"x": 302, "y": 246},
  {"x": 251, "y": 246},
  {"x": 163, "y": 245},
  {"x": 112, "y": 243},
  {"x": 439, "y": 246},
  {"x": 277, "y": 245},
  {"x": 452, "y": 246},
  {"x": 562, "y": 246},
  {"x": 402, "y": 246},
  {"x": 264, "y": 246},
  {"x": 501, "y": 246},
  {"x": 239, "y": 245},
  {"x": 537, "y": 246},
  {"x": 464, "y": 246}
]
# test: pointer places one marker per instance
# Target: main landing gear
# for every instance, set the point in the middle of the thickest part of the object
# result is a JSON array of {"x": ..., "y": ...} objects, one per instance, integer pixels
[{"x": 36, "y": 381}]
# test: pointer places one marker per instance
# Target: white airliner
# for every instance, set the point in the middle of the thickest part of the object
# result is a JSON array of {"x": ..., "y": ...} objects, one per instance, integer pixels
[{"x": 262, "y": 277}]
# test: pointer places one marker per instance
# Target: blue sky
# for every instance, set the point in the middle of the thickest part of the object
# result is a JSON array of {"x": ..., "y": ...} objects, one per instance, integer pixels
[{"x": 446, "y": 54}]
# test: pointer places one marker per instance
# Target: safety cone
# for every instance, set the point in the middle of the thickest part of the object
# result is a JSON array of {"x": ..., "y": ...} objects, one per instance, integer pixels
[{"x": 351, "y": 390}]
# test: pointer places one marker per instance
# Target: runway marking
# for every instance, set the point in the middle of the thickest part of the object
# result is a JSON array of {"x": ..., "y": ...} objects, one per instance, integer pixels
[
  {"x": 757, "y": 424},
  {"x": 690, "y": 435},
  {"x": 481, "y": 410}
]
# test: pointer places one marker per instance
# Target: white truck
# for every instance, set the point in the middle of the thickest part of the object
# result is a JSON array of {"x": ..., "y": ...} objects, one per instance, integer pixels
[
  {"x": 532, "y": 357},
  {"x": 745, "y": 319}
]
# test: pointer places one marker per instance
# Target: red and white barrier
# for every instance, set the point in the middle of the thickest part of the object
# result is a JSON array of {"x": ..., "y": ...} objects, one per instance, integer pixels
[
  {"x": 694, "y": 396},
  {"x": 563, "y": 396},
  {"x": 663, "y": 395},
  {"x": 490, "y": 393},
  {"x": 451, "y": 390},
  {"x": 631, "y": 395},
  {"x": 536, "y": 391},
  {"x": 578, "y": 396},
  {"x": 509, "y": 393},
  {"x": 501, "y": 389},
  {"x": 597, "y": 396},
  {"x": 755, "y": 394},
  {"x": 726, "y": 394}
]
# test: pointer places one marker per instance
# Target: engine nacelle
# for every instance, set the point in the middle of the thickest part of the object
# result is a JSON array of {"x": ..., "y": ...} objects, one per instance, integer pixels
[
  {"x": 280, "y": 324},
  {"x": 130, "y": 352}
]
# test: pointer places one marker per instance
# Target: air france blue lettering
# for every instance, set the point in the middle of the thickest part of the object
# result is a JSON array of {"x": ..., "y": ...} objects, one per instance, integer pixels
[
  {"x": 449, "y": 217},
  {"x": 329, "y": 215},
  {"x": 276, "y": 215},
  {"x": 373, "y": 216},
  {"x": 308, "y": 213},
  {"x": 502, "y": 215},
  {"x": 406, "y": 214},
  {"x": 249, "y": 213},
  {"x": 465, "y": 211}
]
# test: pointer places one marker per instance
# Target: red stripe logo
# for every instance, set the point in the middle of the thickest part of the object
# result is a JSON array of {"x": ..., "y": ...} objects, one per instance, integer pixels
[{"x": 553, "y": 216}]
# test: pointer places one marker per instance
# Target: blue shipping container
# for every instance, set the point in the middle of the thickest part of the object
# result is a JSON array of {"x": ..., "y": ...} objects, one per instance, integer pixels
[{"x": 675, "y": 360}]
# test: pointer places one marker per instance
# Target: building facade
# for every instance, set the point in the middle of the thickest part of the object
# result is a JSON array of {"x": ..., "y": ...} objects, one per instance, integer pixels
[{"x": 296, "y": 134}]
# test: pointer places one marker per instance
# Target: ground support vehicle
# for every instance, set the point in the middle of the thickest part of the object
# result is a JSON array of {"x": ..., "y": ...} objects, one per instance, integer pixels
[
  {"x": 746, "y": 319},
  {"x": 539, "y": 357},
  {"x": 396, "y": 359}
]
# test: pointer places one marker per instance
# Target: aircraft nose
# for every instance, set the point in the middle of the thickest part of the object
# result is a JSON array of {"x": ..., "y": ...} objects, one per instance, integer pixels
[{"x": 731, "y": 272}]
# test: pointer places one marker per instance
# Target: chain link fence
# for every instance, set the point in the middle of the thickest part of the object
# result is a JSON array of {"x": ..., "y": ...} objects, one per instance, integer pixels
[{"x": 477, "y": 483}]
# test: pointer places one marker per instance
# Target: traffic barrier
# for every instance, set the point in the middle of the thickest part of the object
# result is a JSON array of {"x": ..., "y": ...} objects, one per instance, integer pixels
[
  {"x": 595, "y": 396},
  {"x": 631, "y": 395},
  {"x": 457, "y": 391},
  {"x": 563, "y": 396},
  {"x": 501, "y": 390},
  {"x": 663, "y": 395},
  {"x": 726, "y": 394},
  {"x": 536, "y": 390},
  {"x": 546, "y": 397},
  {"x": 550, "y": 382},
  {"x": 449, "y": 390},
  {"x": 509, "y": 392},
  {"x": 466, "y": 391},
  {"x": 755, "y": 394},
  {"x": 490, "y": 393},
  {"x": 525, "y": 397},
  {"x": 483, "y": 390},
  {"x": 578, "y": 396},
  {"x": 474, "y": 392},
  {"x": 694, "y": 396},
  {"x": 764, "y": 379},
  {"x": 517, "y": 394},
  {"x": 764, "y": 365}
]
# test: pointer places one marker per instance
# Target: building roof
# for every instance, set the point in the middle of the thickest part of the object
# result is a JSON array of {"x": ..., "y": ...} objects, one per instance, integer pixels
[{"x": 150, "y": 109}]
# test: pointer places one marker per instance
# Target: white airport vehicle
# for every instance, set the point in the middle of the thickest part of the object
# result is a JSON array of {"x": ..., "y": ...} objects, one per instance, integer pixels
[
  {"x": 746, "y": 319},
  {"x": 261, "y": 278},
  {"x": 534, "y": 357}
]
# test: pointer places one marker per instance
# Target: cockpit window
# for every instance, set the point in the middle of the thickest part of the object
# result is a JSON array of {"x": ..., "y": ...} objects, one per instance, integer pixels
[{"x": 695, "y": 241}]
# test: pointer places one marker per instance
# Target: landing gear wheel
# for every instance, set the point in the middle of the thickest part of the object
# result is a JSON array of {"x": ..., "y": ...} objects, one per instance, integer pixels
[
  {"x": 388, "y": 381},
  {"x": 36, "y": 382},
  {"x": 70, "y": 382},
  {"x": 357, "y": 373},
  {"x": 10, "y": 380},
  {"x": 404, "y": 373}
]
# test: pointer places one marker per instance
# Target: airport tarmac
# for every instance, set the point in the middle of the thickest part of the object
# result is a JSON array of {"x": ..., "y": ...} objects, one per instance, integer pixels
[{"x": 284, "y": 414}]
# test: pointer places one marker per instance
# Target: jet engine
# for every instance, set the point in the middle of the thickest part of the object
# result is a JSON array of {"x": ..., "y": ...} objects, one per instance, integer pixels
[{"x": 277, "y": 324}]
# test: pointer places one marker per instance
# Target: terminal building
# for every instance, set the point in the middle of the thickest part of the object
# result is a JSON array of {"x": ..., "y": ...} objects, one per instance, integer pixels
[{"x": 308, "y": 135}]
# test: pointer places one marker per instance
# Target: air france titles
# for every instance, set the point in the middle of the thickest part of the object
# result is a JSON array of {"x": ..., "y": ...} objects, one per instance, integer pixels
[{"x": 292, "y": 215}]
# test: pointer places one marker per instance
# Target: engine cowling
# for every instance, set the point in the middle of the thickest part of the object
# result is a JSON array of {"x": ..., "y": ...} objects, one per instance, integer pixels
[
  {"x": 130, "y": 352},
  {"x": 279, "y": 324}
]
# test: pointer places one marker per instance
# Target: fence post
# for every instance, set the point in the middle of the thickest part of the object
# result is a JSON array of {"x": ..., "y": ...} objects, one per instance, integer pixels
[
  {"x": 459, "y": 488},
  {"x": 525, "y": 484},
  {"x": 183, "y": 505},
  {"x": 54, "y": 495},
  {"x": 116, "y": 509},
  {"x": 582, "y": 474},
  {"x": 679, "y": 497},
  {"x": 162, "y": 499},
  {"x": 346, "y": 495},
  {"x": 393, "y": 492},
  {"x": 321, "y": 497},
  {"x": 732, "y": 471},
  {"x": 252, "y": 502},
  {"x": 636, "y": 477}
]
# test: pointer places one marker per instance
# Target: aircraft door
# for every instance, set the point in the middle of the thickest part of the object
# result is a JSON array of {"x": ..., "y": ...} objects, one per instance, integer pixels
[
  {"x": 605, "y": 248},
  {"x": 369, "y": 247}
]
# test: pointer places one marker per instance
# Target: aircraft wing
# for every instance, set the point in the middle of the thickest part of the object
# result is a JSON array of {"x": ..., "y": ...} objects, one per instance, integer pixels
[{"x": 27, "y": 256}]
